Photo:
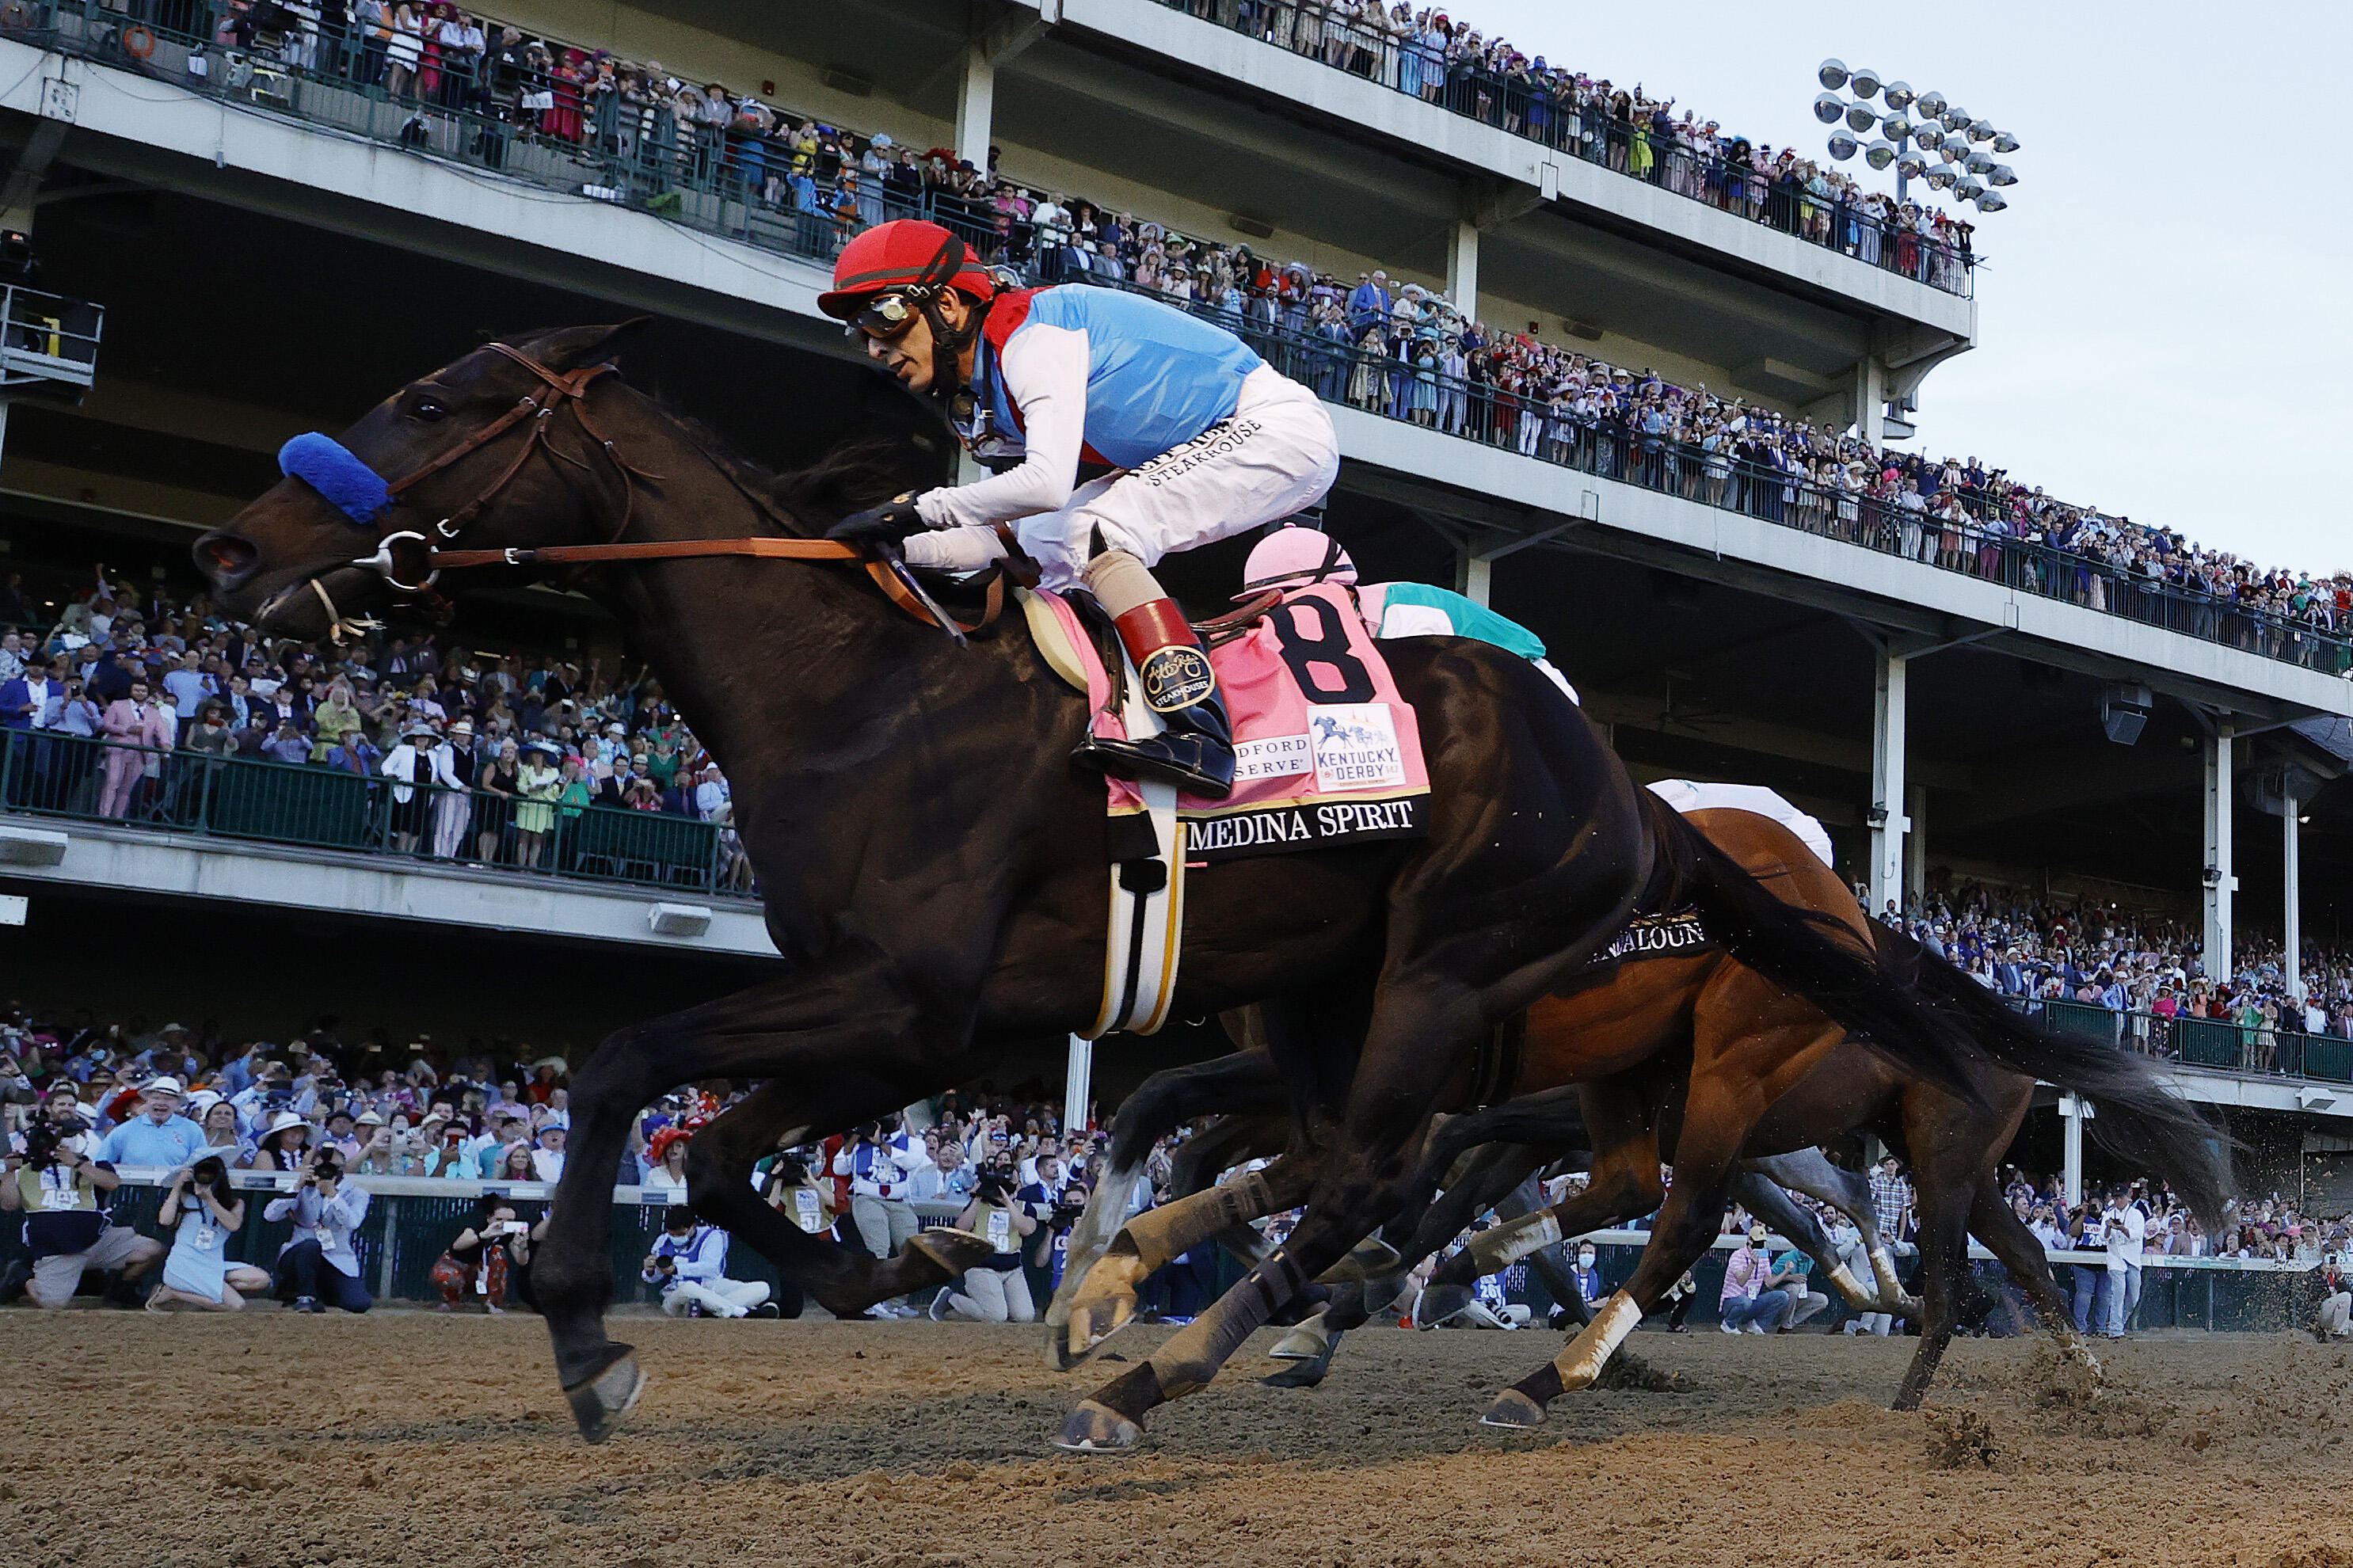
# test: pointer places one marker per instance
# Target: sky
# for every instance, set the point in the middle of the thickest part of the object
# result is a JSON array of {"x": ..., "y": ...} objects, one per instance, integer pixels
[{"x": 2165, "y": 314}]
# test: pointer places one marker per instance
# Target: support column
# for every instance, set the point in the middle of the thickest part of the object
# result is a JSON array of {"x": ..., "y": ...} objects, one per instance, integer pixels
[
  {"x": 1462, "y": 270},
  {"x": 1474, "y": 577},
  {"x": 1915, "y": 841},
  {"x": 1078, "y": 1086},
  {"x": 2218, "y": 879},
  {"x": 1887, "y": 796},
  {"x": 2072, "y": 1111},
  {"x": 2292, "y": 903},
  {"x": 1870, "y": 394},
  {"x": 976, "y": 104}
]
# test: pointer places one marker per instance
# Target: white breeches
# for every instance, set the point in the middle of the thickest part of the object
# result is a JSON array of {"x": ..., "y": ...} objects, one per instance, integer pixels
[{"x": 1275, "y": 456}]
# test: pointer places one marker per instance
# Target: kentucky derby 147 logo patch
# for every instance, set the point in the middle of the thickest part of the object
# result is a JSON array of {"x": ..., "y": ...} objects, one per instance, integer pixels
[{"x": 1356, "y": 746}]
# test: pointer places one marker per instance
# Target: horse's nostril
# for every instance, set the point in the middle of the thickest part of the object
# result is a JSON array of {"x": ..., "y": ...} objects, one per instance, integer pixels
[{"x": 224, "y": 557}]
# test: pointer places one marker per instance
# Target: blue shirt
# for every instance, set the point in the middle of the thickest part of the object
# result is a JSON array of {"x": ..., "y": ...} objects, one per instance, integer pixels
[
  {"x": 1156, "y": 377},
  {"x": 140, "y": 1143}
]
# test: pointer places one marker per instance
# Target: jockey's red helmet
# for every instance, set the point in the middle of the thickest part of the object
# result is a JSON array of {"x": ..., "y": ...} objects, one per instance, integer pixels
[
  {"x": 1292, "y": 557},
  {"x": 906, "y": 253}
]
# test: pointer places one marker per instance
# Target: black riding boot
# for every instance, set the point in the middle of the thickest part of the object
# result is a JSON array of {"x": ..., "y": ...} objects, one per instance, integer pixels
[{"x": 1195, "y": 750}]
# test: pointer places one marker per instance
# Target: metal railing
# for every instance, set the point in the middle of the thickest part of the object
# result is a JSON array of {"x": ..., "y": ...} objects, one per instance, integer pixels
[
  {"x": 47, "y": 340},
  {"x": 752, "y": 189},
  {"x": 1526, "y": 107},
  {"x": 318, "y": 806},
  {"x": 2215, "y": 1043}
]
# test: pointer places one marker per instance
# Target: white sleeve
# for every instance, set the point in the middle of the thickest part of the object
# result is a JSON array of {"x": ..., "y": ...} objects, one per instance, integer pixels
[
  {"x": 1045, "y": 370},
  {"x": 1415, "y": 621}
]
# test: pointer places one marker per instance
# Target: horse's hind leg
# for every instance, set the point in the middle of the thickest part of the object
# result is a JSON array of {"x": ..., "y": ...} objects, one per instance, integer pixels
[
  {"x": 2018, "y": 1250},
  {"x": 1944, "y": 1239},
  {"x": 718, "y": 1183},
  {"x": 1811, "y": 1173}
]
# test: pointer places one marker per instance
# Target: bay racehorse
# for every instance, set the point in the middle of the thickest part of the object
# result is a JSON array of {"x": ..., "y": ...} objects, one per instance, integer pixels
[
  {"x": 1741, "y": 1073},
  {"x": 933, "y": 868}
]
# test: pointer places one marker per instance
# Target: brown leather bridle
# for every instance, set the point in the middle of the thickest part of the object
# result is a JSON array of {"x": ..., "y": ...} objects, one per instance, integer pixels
[{"x": 568, "y": 390}]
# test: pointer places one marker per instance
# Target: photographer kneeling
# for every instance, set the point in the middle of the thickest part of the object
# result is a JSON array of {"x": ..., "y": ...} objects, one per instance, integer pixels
[
  {"x": 994, "y": 1291},
  {"x": 201, "y": 1211},
  {"x": 476, "y": 1258},
  {"x": 57, "y": 1186},
  {"x": 319, "y": 1261},
  {"x": 689, "y": 1263}
]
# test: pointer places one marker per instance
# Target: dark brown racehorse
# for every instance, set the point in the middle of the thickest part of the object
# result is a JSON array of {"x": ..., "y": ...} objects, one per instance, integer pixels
[
  {"x": 1731, "y": 1067},
  {"x": 933, "y": 869}
]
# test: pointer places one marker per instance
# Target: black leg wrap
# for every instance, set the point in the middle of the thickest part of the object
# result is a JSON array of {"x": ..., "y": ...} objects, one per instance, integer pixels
[{"x": 1133, "y": 1393}]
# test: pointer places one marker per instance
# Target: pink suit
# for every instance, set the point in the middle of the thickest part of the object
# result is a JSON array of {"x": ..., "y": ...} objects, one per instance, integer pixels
[{"x": 132, "y": 725}]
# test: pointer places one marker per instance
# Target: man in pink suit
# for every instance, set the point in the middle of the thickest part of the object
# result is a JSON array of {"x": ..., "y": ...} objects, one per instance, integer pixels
[{"x": 133, "y": 721}]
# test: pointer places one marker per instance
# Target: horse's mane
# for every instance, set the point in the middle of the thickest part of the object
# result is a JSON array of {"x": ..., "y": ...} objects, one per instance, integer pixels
[
  {"x": 854, "y": 476},
  {"x": 844, "y": 480}
]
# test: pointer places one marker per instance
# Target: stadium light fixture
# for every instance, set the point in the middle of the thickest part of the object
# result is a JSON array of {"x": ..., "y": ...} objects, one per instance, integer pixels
[{"x": 1921, "y": 135}]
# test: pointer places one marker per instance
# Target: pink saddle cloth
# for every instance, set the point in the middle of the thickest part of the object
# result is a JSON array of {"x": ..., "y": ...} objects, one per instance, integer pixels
[{"x": 1326, "y": 752}]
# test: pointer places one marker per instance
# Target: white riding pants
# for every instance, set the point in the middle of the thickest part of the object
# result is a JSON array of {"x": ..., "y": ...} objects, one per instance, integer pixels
[
  {"x": 1274, "y": 456},
  {"x": 721, "y": 1298}
]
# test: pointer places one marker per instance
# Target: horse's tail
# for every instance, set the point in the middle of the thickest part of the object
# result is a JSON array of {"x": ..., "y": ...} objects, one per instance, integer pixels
[
  {"x": 1817, "y": 956},
  {"x": 1939, "y": 1024},
  {"x": 2138, "y": 1119}
]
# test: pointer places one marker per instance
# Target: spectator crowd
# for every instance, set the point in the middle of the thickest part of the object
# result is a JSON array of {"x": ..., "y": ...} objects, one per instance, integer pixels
[
  {"x": 1400, "y": 350},
  {"x": 2146, "y": 968},
  {"x": 113, "y": 703}
]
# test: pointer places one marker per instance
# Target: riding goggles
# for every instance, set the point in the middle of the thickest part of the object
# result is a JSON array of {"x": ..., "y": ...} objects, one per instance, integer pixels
[{"x": 886, "y": 316}]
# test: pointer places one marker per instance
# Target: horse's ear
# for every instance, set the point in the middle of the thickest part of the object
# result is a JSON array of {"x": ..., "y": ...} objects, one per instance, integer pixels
[{"x": 578, "y": 346}]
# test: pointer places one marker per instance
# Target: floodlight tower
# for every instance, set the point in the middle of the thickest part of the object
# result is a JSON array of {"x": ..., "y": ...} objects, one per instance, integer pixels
[{"x": 1923, "y": 135}]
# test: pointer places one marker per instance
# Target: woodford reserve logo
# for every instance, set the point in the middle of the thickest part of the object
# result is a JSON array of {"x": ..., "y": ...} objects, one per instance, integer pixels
[{"x": 1273, "y": 829}]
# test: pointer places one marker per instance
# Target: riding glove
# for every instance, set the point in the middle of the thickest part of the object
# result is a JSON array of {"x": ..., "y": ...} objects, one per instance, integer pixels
[{"x": 886, "y": 524}]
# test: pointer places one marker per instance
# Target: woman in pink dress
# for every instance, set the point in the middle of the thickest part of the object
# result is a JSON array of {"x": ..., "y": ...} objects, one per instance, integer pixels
[{"x": 565, "y": 122}]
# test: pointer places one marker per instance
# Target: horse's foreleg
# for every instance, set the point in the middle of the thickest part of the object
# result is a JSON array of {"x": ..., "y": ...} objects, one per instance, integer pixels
[
  {"x": 1227, "y": 1142},
  {"x": 843, "y": 1022},
  {"x": 1105, "y": 1303},
  {"x": 1766, "y": 1200}
]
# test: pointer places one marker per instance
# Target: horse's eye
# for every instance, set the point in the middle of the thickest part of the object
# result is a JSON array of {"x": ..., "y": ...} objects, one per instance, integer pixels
[{"x": 427, "y": 411}]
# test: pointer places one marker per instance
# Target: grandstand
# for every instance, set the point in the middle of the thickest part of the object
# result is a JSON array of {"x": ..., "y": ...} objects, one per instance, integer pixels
[{"x": 1993, "y": 695}]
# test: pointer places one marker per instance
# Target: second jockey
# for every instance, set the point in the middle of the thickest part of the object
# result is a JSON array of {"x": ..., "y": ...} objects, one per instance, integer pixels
[
  {"x": 1295, "y": 557},
  {"x": 1202, "y": 437}
]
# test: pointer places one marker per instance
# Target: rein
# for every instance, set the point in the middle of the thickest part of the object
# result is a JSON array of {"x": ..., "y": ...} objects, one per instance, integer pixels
[{"x": 569, "y": 390}]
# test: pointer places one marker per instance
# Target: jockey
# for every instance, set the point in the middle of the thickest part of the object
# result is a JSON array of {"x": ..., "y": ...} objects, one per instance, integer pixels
[
  {"x": 1202, "y": 438},
  {"x": 1294, "y": 557}
]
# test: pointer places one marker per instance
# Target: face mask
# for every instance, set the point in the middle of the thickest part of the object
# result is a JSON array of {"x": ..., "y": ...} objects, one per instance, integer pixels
[{"x": 1585, "y": 1260}]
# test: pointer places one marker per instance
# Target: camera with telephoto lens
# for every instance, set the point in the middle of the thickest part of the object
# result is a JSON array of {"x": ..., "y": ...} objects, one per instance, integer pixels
[
  {"x": 41, "y": 1145},
  {"x": 993, "y": 1188}
]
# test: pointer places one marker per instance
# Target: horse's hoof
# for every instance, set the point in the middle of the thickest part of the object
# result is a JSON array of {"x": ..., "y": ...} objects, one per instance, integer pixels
[
  {"x": 1511, "y": 1408},
  {"x": 1094, "y": 1428},
  {"x": 1440, "y": 1302},
  {"x": 1297, "y": 1345},
  {"x": 955, "y": 1252},
  {"x": 599, "y": 1404},
  {"x": 1306, "y": 1373}
]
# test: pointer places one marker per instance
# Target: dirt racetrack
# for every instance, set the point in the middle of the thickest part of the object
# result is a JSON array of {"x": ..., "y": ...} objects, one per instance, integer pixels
[{"x": 407, "y": 1437}]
